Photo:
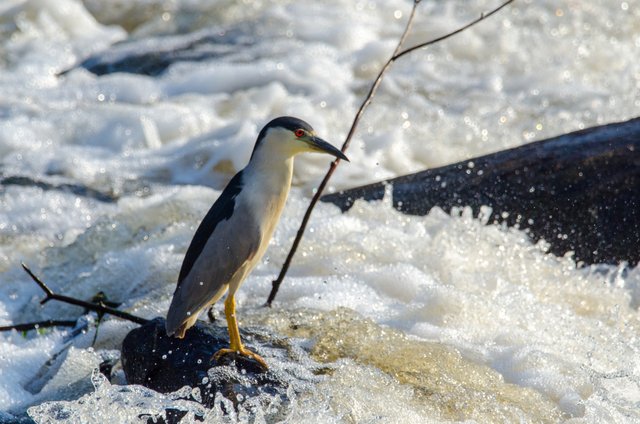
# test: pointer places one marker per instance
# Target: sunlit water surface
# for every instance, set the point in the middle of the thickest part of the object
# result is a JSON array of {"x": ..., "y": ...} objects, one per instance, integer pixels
[{"x": 440, "y": 318}]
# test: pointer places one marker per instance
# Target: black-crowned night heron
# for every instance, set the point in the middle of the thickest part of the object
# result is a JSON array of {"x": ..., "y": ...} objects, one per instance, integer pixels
[{"x": 236, "y": 231}]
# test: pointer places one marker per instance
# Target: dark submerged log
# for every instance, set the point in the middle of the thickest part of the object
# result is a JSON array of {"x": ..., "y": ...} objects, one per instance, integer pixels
[
  {"x": 153, "y": 56},
  {"x": 76, "y": 189},
  {"x": 579, "y": 192}
]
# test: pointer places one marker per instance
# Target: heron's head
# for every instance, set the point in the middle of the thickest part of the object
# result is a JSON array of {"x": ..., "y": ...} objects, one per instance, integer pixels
[{"x": 289, "y": 136}]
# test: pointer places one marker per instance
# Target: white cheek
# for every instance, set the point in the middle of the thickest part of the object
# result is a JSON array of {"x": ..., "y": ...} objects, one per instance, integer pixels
[{"x": 298, "y": 146}]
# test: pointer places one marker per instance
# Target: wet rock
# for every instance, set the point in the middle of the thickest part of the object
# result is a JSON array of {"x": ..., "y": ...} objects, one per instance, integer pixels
[
  {"x": 579, "y": 192},
  {"x": 75, "y": 189},
  {"x": 152, "y": 56},
  {"x": 166, "y": 364}
]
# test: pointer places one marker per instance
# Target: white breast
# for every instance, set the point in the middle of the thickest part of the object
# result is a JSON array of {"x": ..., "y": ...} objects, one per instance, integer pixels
[{"x": 267, "y": 181}]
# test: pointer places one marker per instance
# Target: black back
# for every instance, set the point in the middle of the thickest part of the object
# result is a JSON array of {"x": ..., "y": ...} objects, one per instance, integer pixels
[{"x": 221, "y": 210}]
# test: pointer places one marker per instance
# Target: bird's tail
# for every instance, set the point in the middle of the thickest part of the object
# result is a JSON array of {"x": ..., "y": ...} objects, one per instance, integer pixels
[{"x": 176, "y": 329}]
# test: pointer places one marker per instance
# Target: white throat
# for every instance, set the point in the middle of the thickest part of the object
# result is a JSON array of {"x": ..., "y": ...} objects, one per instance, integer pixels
[{"x": 270, "y": 172}]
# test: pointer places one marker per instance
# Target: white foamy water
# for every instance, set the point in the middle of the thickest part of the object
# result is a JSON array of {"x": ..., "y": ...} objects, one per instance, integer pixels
[{"x": 418, "y": 319}]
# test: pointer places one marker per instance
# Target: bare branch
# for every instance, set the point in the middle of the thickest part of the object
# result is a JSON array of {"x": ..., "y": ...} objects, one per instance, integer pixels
[
  {"x": 372, "y": 91},
  {"x": 100, "y": 308},
  {"x": 37, "y": 325},
  {"x": 483, "y": 16},
  {"x": 42, "y": 285}
]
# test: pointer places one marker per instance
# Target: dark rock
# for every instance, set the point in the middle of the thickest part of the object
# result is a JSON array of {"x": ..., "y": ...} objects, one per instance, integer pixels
[
  {"x": 76, "y": 189},
  {"x": 579, "y": 192},
  {"x": 166, "y": 364},
  {"x": 106, "y": 367}
]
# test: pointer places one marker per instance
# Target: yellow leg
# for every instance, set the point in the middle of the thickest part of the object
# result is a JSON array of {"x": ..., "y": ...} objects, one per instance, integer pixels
[
  {"x": 235, "y": 344},
  {"x": 232, "y": 323}
]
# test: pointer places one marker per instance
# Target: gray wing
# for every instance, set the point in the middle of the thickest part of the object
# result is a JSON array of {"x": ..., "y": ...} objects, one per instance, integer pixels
[{"x": 225, "y": 241}]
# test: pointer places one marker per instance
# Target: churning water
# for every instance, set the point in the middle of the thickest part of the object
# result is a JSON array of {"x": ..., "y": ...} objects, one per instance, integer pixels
[{"x": 440, "y": 318}]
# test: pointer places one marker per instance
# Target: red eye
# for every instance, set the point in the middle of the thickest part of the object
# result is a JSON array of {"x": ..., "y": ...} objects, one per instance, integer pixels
[{"x": 299, "y": 133}]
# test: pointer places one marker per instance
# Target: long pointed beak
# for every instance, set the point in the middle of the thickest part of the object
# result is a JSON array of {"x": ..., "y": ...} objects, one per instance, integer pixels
[{"x": 320, "y": 145}]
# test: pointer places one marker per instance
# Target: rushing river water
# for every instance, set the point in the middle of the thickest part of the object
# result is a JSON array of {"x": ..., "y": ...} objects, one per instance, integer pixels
[{"x": 440, "y": 318}]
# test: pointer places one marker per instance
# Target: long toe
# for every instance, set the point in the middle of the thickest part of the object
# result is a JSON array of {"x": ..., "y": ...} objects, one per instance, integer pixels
[
  {"x": 222, "y": 352},
  {"x": 242, "y": 352},
  {"x": 255, "y": 357}
]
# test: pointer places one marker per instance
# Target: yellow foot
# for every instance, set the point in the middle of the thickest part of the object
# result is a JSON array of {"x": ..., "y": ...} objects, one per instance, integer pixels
[{"x": 242, "y": 351}]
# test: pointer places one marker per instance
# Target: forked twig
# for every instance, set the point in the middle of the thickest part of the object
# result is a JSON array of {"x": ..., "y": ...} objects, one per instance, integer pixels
[
  {"x": 482, "y": 17},
  {"x": 101, "y": 308},
  {"x": 372, "y": 91}
]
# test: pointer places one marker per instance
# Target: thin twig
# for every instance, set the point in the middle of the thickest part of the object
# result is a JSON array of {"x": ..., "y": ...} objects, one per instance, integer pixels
[
  {"x": 37, "y": 325},
  {"x": 96, "y": 307},
  {"x": 334, "y": 164},
  {"x": 482, "y": 17},
  {"x": 372, "y": 91}
]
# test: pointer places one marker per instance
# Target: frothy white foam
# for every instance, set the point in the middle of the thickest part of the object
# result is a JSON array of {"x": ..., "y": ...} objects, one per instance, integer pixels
[{"x": 501, "y": 309}]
